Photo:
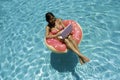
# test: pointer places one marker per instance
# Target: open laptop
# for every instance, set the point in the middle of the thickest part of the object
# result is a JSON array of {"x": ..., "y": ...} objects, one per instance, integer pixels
[{"x": 66, "y": 31}]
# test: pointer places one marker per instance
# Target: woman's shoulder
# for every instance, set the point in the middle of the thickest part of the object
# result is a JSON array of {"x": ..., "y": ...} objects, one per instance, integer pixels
[
  {"x": 59, "y": 19},
  {"x": 47, "y": 26}
]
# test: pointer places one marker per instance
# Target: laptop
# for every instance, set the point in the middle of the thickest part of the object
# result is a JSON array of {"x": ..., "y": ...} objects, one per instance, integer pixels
[{"x": 66, "y": 31}]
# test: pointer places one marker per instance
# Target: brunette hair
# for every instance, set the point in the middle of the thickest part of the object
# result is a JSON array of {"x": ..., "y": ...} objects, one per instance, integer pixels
[{"x": 48, "y": 15}]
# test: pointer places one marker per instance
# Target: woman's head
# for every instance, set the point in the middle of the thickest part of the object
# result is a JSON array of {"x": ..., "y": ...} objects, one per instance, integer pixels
[{"x": 50, "y": 18}]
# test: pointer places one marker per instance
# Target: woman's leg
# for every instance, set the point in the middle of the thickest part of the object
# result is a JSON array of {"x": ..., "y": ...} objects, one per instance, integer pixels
[
  {"x": 76, "y": 46},
  {"x": 73, "y": 42},
  {"x": 70, "y": 45}
]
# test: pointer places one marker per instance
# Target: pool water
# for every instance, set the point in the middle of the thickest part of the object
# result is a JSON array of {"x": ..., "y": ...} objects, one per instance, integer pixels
[{"x": 24, "y": 55}]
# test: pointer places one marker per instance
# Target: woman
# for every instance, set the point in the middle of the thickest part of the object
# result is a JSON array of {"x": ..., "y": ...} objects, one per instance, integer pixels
[{"x": 55, "y": 26}]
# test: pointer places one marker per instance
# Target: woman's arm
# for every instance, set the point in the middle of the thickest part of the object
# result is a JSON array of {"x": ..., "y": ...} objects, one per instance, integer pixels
[
  {"x": 47, "y": 33},
  {"x": 61, "y": 23},
  {"x": 51, "y": 36}
]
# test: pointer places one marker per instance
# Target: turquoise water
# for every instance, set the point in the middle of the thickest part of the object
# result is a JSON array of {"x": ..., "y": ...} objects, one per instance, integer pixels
[{"x": 24, "y": 55}]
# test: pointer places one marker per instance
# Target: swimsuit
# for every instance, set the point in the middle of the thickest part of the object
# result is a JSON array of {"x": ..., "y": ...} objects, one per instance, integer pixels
[{"x": 55, "y": 31}]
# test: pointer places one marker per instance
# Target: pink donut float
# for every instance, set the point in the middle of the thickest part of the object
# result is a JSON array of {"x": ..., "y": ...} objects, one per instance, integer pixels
[{"x": 59, "y": 47}]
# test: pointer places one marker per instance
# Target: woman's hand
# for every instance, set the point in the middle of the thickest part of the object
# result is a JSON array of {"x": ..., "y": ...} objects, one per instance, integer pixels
[
  {"x": 54, "y": 36},
  {"x": 60, "y": 37},
  {"x": 51, "y": 36}
]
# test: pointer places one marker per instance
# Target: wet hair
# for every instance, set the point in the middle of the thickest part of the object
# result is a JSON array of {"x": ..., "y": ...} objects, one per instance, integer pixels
[{"x": 48, "y": 16}]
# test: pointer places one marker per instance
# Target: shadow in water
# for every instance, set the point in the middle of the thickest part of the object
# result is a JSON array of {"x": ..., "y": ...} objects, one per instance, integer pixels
[{"x": 65, "y": 62}]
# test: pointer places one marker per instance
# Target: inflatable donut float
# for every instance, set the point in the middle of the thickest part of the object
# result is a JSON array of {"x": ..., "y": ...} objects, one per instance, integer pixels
[{"x": 59, "y": 47}]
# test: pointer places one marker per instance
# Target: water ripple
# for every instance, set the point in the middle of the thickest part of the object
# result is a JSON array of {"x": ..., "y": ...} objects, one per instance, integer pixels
[{"x": 25, "y": 55}]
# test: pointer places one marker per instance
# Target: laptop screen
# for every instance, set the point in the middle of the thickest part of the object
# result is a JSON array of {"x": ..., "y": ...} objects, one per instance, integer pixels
[{"x": 66, "y": 31}]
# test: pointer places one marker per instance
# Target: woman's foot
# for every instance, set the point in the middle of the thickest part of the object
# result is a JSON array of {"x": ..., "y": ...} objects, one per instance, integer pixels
[
  {"x": 81, "y": 61},
  {"x": 86, "y": 59}
]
